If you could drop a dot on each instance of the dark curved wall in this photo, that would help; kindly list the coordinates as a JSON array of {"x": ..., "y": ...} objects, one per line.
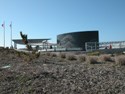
[{"x": 77, "y": 39}]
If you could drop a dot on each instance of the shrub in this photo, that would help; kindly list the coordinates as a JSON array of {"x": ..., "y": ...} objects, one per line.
[
  {"x": 71, "y": 57},
  {"x": 93, "y": 53},
  {"x": 62, "y": 55},
  {"x": 33, "y": 52},
  {"x": 38, "y": 55},
  {"x": 82, "y": 58},
  {"x": 7, "y": 48},
  {"x": 28, "y": 58},
  {"x": 53, "y": 55},
  {"x": 120, "y": 60},
  {"x": 92, "y": 59},
  {"x": 105, "y": 58},
  {"x": 48, "y": 54},
  {"x": 18, "y": 54}
]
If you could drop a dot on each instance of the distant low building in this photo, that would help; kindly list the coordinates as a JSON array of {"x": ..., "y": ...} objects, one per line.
[{"x": 33, "y": 42}]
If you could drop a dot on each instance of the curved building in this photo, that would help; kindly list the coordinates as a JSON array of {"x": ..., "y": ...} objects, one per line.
[{"x": 77, "y": 39}]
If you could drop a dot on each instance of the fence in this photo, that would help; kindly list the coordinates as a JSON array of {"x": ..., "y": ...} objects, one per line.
[{"x": 90, "y": 46}]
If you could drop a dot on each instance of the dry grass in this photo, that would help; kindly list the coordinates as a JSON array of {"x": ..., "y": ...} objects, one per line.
[
  {"x": 62, "y": 55},
  {"x": 47, "y": 75},
  {"x": 82, "y": 58},
  {"x": 120, "y": 60},
  {"x": 105, "y": 58},
  {"x": 48, "y": 54},
  {"x": 18, "y": 54},
  {"x": 92, "y": 59},
  {"x": 71, "y": 57},
  {"x": 37, "y": 55},
  {"x": 53, "y": 54},
  {"x": 27, "y": 57}
]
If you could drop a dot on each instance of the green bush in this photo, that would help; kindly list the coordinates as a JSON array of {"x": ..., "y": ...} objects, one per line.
[{"x": 94, "y": 53}]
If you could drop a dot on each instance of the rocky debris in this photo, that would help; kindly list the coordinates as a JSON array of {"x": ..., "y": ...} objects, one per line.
[{"x": 49, "y": 76}]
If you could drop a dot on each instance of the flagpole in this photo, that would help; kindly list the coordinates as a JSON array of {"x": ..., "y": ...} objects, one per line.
[
  {"x": 11, "y": 33},
  {"x": 4, "y": 33}
]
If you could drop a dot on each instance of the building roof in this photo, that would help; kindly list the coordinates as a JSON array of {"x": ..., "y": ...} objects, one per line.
[
  {"x": 30, "y": 41},
  {"x": 76, "y": 32}
]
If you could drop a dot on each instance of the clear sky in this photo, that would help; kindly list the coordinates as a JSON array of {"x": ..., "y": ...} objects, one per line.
[{"x": 48, "y": 18}]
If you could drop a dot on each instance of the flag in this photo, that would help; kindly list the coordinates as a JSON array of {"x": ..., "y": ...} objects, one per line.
[
  {"x": 11, "y": 25},
  {"x": 2, "y": 25}
]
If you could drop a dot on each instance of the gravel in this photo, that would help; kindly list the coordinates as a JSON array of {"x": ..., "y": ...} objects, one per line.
[{"x": 49, "y": 75}]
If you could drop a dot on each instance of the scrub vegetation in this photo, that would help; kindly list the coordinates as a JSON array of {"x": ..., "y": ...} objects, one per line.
[{"x": 61, "y": 73}]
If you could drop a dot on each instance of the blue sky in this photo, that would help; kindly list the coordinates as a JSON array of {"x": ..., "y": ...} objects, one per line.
[{"x": 48, "y": 18}]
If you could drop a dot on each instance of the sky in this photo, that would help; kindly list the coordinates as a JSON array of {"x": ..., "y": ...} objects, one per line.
[{"x": 49, "y": 18}]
